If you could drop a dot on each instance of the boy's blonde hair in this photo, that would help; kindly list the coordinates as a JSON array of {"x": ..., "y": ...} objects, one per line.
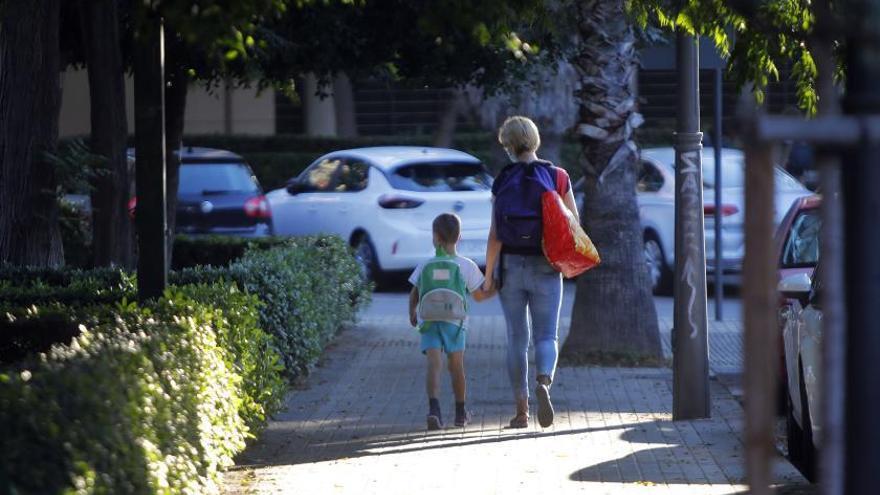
[
  {"x": 447, "y": 228},
  {"x": 519, "y": 135}
]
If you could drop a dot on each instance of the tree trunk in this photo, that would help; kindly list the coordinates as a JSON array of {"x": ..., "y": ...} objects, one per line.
[
  {"x": 177, "y": 83},
  {"x": 343, "y": 93},
  {"x": 30, "y": 101},
  {"x": 111, "y": 227},
  {"x": 551, "y": 148},
  {"x": 614, "y": 315},
  {"x": 445, "y": 133}
]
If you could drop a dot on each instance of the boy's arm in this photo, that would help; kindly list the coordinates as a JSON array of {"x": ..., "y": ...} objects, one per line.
[{"x": 413, "y": 303}]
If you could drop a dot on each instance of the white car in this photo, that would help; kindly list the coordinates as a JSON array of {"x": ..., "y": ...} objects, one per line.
[
  {"x": 383, "y": 200},
  {"x": 655, "y": 190},
  {"x": 802, "y": 338}
]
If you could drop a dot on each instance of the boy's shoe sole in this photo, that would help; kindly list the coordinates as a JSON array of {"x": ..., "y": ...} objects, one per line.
[
  {"x": 434, "y": 423},
  {"x": 545, "y": 407},
  {"x": 463, "y": 421}
]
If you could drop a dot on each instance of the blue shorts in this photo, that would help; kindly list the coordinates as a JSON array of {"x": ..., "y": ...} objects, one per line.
[{"x": 446, "y": 336}]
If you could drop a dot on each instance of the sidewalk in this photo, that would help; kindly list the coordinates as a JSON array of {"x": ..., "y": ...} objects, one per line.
[{"x": 359, "y": 428}]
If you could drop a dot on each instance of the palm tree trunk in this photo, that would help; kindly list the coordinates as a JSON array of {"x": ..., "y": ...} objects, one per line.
[
  {"x": 614, "y": 315},
  {"x": 30, "y": 101}
]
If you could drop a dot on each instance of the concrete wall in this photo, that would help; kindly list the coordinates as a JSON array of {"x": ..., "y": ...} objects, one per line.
[{"x": 206, "y": 113}]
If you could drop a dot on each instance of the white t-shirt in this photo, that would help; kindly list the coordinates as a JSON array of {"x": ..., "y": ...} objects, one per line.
[{"x": 473, "y": 277}]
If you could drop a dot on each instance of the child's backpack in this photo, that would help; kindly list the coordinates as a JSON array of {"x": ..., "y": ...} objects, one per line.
[
  {"x": 518, "y": 203},
  {"x": 442, "y": 290}
]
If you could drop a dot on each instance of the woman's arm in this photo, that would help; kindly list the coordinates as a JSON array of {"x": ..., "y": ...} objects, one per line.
[
  {"x": 571, "y": 204},
  {"x": 493, "y": 250}
]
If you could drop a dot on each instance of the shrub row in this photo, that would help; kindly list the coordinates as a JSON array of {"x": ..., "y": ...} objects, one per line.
[
  {"x": 310, "y": 287},
  {"x": 155, "y": 399},
  {"x": 158, "y": 398}
]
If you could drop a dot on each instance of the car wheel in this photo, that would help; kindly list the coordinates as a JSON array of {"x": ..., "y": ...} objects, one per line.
[
  {"x": 659, "y": 273},
  {"x": 809, "y": 448},
  {"x": 365, "y": 255}
]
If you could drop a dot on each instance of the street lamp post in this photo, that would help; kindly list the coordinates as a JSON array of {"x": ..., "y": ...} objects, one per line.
[{"x": 690, "y": 396}]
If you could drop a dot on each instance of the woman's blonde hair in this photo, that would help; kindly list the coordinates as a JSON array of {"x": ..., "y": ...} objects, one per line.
[{"x": 519, "y": 135}]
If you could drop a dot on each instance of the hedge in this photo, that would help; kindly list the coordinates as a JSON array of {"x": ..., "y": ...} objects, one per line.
[
  {"x": 156, "y": 400},
  {"x": 310, "y": 287},
  {"x": 217, "y": 250}
]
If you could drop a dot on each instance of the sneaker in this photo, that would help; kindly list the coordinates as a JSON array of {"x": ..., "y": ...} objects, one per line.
[
  {"x": 545, "y": 407},
  {"x": 434, "y": 423},
  {"x": 463, "y": 419}
]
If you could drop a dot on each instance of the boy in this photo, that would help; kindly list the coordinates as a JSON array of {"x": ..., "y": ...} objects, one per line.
[{"x": 446, "y": 335}]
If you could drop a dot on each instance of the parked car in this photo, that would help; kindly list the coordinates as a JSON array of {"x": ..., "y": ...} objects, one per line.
[
  {"x": 655, "y": 189},
  {"x": 218, "y": 194},
  {"x": 802, "y": 337},
  {"x": 383, "y": 200},
  {"x": 797, "y": 253}
]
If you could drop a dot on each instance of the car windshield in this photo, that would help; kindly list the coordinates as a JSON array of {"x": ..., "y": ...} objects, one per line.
[
  {"x": 802, "y": 246},
  {"x": 216, "y": 178},
  {"x": 733, "y": 174},
  {"x": 441, "y": 177}
]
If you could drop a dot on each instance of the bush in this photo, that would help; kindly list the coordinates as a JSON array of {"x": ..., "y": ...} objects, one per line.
[
  {"x": 144, "y": 404},
  {"x": 309, "y": 288},
  {"x": 25, "y": 286},
  {"x": 217, "y": 250}
]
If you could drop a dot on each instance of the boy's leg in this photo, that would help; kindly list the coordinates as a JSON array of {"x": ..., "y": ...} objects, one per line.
[
  {"x": 432, "y": 387},
  {"x": 435, "y": 364},
  {"x": 456, "y": 371},
  {"x": 459, "y": 387}
]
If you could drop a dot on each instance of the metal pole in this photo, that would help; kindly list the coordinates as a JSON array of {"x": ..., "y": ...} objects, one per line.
[
  {"x": 719, "y": 257},
  {"x": 760, "y": 307},
  {"x": 860, "y": 175},
  {"x": 690, "y": 398},
  {"x": 833, "y": 380},
  {"x": 149, "y": 112}
]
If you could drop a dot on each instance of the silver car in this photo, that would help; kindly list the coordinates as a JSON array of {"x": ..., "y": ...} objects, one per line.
[{"x": 655, "y": 190}]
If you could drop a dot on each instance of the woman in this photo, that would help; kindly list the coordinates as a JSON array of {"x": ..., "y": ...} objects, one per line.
[{"x": 530, "y": 288}]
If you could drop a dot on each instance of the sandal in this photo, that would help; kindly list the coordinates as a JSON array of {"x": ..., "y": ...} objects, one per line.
[{"x": 520, "y": 421}]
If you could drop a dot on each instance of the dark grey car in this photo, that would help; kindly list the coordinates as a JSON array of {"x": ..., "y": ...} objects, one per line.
[{"x": 219, "y": 194}]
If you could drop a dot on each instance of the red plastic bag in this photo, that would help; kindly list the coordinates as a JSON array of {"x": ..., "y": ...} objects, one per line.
[{"x": 566, "y": 245}]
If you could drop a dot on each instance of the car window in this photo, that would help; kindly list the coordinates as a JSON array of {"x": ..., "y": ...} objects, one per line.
[
  {"x": 216, "y": 178},
  {"x": 650, "y": 179},
  {"x": 322, "y": 176},
  {"x": 440, "y": 177},
  {"x": 802, "y": 246},
  {"x": 352, "y": 177}
]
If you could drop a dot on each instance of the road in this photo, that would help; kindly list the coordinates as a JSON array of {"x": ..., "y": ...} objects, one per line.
[{"x": 394, "y": 302}]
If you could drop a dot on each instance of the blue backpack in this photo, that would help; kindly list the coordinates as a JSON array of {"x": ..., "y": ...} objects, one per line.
[{"x": 518, "y": 212}]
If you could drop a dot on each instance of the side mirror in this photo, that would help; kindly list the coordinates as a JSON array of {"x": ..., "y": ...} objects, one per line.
[
  {"x": 796, "y": 287},
  {"x": 295, "y": 187}
]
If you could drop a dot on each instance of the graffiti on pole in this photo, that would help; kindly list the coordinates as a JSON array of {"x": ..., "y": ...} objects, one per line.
[{"x": 690, "y": 196}]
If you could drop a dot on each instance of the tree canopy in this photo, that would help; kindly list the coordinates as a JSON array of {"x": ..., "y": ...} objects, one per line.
[{"x": 758, "y": 38}]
